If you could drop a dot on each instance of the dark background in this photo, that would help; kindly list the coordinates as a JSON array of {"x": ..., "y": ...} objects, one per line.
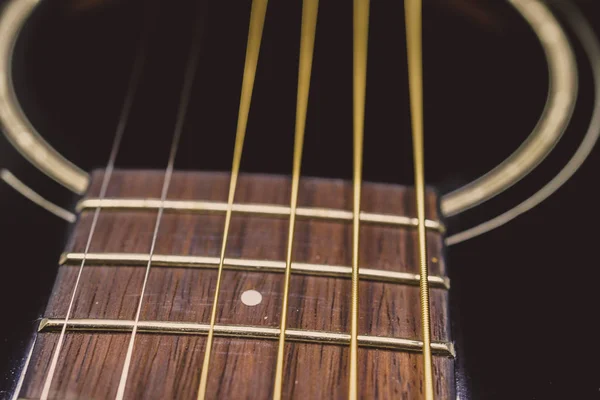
[{"x": 524, "y": 296}]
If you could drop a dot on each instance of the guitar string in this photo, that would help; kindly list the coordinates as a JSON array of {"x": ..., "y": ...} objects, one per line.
[
  {"x": 133, "y": 84},
  {"x": 184, "y": 100},
  {"x": 592, "y": 47},
  {"x": 310, "y": 10},
  {"x": 414, "y": 48},
  {"x": 360, "y": 42},
  {"x": 255, "y": 30},
  {"x": 25, "y": 367}
]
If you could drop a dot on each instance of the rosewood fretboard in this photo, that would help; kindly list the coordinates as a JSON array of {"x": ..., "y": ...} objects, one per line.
[{"x": 167, "y": 357}]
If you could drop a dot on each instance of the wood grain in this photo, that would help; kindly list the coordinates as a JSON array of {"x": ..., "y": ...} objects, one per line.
[{"x": 168, "y": 366}]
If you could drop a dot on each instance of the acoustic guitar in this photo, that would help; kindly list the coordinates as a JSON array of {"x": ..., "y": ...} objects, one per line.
[{"x": 299, "y": 199}]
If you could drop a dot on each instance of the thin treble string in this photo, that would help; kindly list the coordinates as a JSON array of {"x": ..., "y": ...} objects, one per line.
[
  {"x": 310, "y": 9},
  {"x": 257, "y": 21},
  {"x": 413, "y": 16},
  {"x": 361, "y": 35},
  {"x": 134, "y": 80},
  {"x": 184, "y": 100}
]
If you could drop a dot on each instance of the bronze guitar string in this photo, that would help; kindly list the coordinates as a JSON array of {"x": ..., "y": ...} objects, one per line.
[
  {"x": 255, "y": 30},
  {"x": 359, "y": 61},
  {"x": 414, "y": 47},
  {"x": 310, "y": 10}
]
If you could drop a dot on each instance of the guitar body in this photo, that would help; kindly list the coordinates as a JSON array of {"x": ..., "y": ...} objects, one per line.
[{"x": 515, "y": 321}]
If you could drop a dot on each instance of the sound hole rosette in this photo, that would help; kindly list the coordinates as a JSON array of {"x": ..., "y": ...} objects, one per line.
[
  {"x": 588, "y": 39},
  {"x": 13, "y": 121},
  {"x": 549, "y": 129}
]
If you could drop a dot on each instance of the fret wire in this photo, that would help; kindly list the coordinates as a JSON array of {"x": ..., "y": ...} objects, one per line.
[
  {"x": 442, "y": 349},
  {"x": 308, "y": 30},
  {"x": 255, "y": 30},
  {"x": 256, "y": 209},
  {"x": 184, "y": 100},
  {"x": 413, "y": 17},
  {"x": 133, "y": 83},
  {"x": 319, "y": 270},
  {"x": 360, "y": 42}
]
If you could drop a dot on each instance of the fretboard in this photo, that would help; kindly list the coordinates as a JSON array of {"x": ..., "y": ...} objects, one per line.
[{"x": 171, "y": 332}]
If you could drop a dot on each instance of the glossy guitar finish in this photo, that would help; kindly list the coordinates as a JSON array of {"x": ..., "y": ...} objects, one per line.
[{"x": 523, "y": 296}]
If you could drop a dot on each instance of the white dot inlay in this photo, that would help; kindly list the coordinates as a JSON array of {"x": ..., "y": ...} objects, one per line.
[{"x": 251, "y": 298}]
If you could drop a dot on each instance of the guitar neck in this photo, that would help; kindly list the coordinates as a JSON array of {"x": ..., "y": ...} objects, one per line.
[{"x": 173, "y": 289}]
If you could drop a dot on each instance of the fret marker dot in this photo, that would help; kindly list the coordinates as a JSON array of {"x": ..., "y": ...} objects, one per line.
[{"x": 251, "y": 298}]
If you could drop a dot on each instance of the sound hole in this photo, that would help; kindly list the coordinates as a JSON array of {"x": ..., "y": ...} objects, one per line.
[{"x": 485, "y": 86}]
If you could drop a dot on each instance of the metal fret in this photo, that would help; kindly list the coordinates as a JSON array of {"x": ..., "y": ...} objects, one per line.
[
  {"x": 324, "y": 270},
  {"x": 444, "y": 349},
  {"x": 258, "y": 209}
]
